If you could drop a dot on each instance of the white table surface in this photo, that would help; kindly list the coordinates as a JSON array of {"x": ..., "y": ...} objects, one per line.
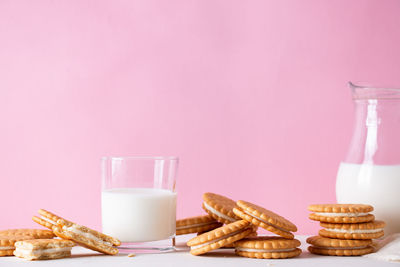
[{"x": 222, "y": 257}]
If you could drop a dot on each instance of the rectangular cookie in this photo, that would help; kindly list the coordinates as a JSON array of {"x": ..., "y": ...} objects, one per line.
[{"x": 43, "y": 249}]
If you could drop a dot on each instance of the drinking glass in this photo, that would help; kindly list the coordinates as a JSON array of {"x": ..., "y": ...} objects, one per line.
[{"x": 138, "y": 202}]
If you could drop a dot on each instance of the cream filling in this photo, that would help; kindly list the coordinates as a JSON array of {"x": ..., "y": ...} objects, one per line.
[
  {"x": 218, "y": 213},
  {"x": 48, "y": 220},
  {"x": 193, "y": 225},
  {"x": 37, "y": 252},
  {"x": 90, "y": 236},
  {"x": 6, "y": 248},
  {"x": 354, "y": 231},
  {"x": 341, "y": 214},
  {"x": 218, "y": 239},
  {"x": 265, "y": 250},
  {"x": 260, "y": 219},
  {"x": 341, "y": 248}
]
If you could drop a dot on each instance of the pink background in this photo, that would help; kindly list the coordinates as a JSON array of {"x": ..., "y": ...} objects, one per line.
[{"x": 251, "y": 95}]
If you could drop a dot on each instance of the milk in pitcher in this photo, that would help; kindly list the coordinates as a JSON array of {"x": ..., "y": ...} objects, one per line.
[{"x": 376, "y": 185}]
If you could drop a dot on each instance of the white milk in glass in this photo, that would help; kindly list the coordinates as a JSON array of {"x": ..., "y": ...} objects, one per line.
[
  {"x": 377, "y": 185},
  {"x": 138, "y": 214}
]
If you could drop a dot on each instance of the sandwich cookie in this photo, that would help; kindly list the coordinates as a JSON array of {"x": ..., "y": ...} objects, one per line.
[
  {"x": 219, "y": 237},
  {"x": 80, "y": 234},
  {"x": 32, "y": 233},
  {"x": 7, "y": 244},
  {"x": 219, "y": 207},
  {"x": 43, "y": 249},
  {"x": 196, "y": 224},
  {"x": 341, "y": 213},
  {"x": 336, "y": 247},
  {"x": 369, "y": 230},
  {"x": 267, "y": 247},
  {"x": 264, "y": 218},
  {"x": 46, "y": 219},
  {"x": 252, "y": 234},
  {"x": 232, "y": 245}
]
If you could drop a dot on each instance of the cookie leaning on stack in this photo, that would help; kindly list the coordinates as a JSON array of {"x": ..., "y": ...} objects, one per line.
[
  {"x": 220, "y": 211},
  {"x": 264, "y": 218},
  {"x": 219, "y": 237},
  {"x": 219, "y": 207},
  {"x": 80, "y": 234},
  {"x": 197, "y": 224}
]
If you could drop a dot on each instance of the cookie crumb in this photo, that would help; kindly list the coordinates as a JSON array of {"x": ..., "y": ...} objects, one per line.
[{"x": 131, "y": 255}]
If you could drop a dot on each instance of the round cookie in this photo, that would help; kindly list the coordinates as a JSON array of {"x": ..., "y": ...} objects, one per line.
[
  {"x": 267, "y": 247},
  {"x": 369, "y": 230},
  {"x": 232, "y": 245},
  {"x": 265, "y": 218},
  {"x": 341, "y": 213},
  {"x": 219, "y": 207},
  {"x": 219, "y": 237},
  {"x": 33, "y": 233},
  {"x": 251, "y": 235},
  {"x": 196, "y": 224},
  {"x": 337, "y": 247},
  {"x": 7, "y": 244}
]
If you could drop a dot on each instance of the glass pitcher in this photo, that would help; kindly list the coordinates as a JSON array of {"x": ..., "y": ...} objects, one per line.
[{"x": 370, "y": 173}]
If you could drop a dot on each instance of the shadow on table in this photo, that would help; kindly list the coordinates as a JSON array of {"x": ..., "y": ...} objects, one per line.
[
  {"x": 224, "y": 252},
  {"x": 230, "y": 253},
  {"x": 180, "y": 246},
  {"x": 85, "y": 255},
  {"x": 307, "y": 255}
]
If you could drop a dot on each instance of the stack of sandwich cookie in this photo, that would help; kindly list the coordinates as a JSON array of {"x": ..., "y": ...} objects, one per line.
[
  {"x": 267, "y": 247},
  {"x": 43, "y": 249},
  {"x": 220, "y": 208},
  {"x": 10, "y": 236},
  {"x": 337, "y": 247},
  {"x": 264, "y": 218},
  {"x": 80, "y": 234},
  {"x": 198, "y": 224},
  {"x": 219, "y": 237},
  {"x": 348, "y": 229}
]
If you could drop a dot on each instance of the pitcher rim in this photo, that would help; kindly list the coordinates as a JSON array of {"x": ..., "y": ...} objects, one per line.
[{"x": 361, "y": 90}]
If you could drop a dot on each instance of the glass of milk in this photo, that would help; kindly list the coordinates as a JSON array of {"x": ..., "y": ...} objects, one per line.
[
  {"x": 370, "y": 173},
  {"x": 138, "y": 202}
]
